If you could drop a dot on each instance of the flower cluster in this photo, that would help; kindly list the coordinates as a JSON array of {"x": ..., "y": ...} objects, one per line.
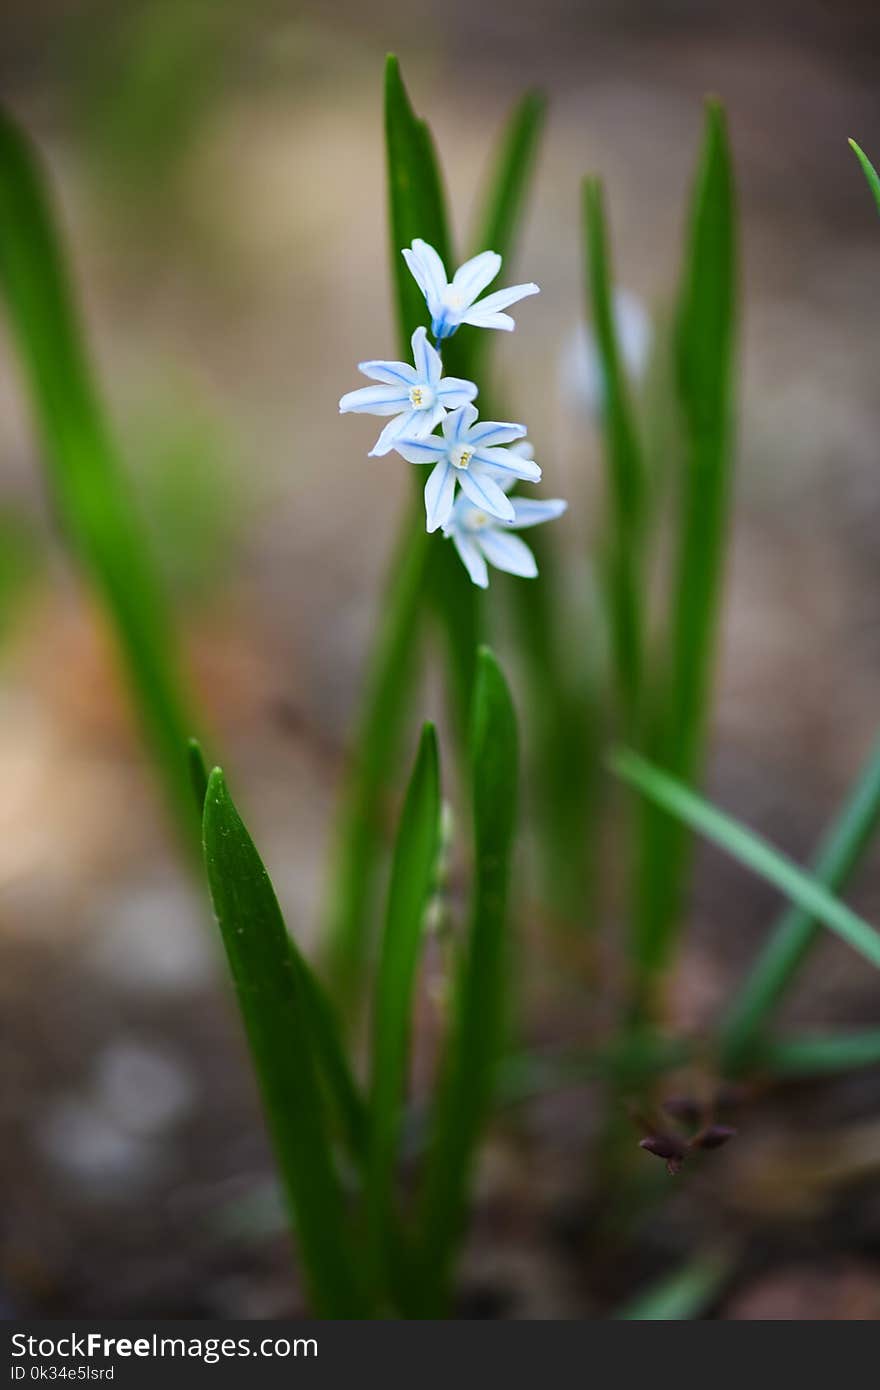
[{"x": 475, "y": 463}]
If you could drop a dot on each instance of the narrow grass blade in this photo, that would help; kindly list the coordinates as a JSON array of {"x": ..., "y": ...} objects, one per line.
[
  {"x": 869, "y": 171},
  {"x": 416, "y": 203},
  {"x": 412, "y": 881},
  {"x": 705, "y": 367},
  {"x": 794, "y": 935},
  {"x": 756, "y": 854},
  {"x": 361, "y": 830},
  {"x": 683, "y": 1295},
  {"x": 274, "y": 1001},
  {"x": 819, "y": 1054},
  {"x": 198, "y": 773},
  {"x": 467, "y": 1082},
  {"x": 84, "y": 469},
  {"x": 503, "y": 204},
  {"x": 623, "y": 563}
]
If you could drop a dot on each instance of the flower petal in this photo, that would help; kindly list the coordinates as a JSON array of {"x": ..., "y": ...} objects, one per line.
[
  {"x": 480, "y": 320},
  {"x": 507, "y": 552},
  {"x": 472, "y": 278},
  {"x": 502, "y": 299},
  {"x": 531, "y": 511},
  {"x": 439, "y": 495},
  {"x": 428, "y": 271},
  {"x": 484, "y": 492},
  {"x": 400, "y": 427},
  {"x": 428, "y": 450},
  {"x": 458, "y": 421},
  {"x": 375, "y": 400},
  {"x": 489, "y": 432},
  {"x": 392, "y": 373},
  {"x": 512, "y": 462},
  {"x": 471, "y": 558},
  {"x": 426, "y": 357},
  {"x": 454, "y": 391}
]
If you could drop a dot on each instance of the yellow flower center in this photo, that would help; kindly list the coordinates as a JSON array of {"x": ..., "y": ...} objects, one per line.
[{"x": 461, "y": 457}]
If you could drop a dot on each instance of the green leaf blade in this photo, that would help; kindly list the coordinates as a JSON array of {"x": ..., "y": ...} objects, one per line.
[
  {"x": 794, "y": 935},
  {"x": 752, "y": 851},
  {"x": 84, "y": 469},
  {"x": 412, "y": 882},
  {"x": 705, "y": 347},
  {"x": 273, "y": 998},
  {"x": 624, "y": 465},
  {"x": 869, "y": 171},
  {"x": 466, "y": 1086}
]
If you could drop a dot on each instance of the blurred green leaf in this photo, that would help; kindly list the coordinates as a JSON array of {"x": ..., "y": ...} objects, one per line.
[
  {"x": 763, "y": 859},
  {"x": 412, "y": 880},
  {"x": 682, "y": 1295},
  {"x": 273, "y": 996},
  {"x": 869, "y": 171},
  {"x": 84, "y": 469},
  {"x": 499, "y": 223},
  {"x": 819, "y": 1054},
  {"x": 792, "y": 938},
  {"x": 466, "y": 1084},
  {"x": 623, "y": 562},
  {"x": 198, "y": 773},
  {"x": 705, "y": 352}
]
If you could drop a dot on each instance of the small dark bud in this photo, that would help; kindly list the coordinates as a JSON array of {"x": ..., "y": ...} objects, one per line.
[
  {"x": 664, "y": 1146},
  {"x": 714, "y": 1137}
]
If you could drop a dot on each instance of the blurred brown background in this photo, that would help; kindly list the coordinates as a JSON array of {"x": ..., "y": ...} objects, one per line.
[{"x": 220, "y": 169}]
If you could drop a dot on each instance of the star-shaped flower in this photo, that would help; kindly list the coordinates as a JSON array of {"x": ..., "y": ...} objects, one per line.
[
  {"x": 479, "y": 537},
  {"x": 418, "y": 397},
  {"x": 453, "y": 302},
  {"x": 468, "y": 453}
]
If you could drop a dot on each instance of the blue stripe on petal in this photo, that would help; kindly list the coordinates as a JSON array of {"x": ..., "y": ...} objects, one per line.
[
  {"x": 393, "y": 373},
  {"x": 512, "y": 462},
  {"x": 484, "y": 492},
  {"x": 439, "y": 495},
  {"x": 532, "y": 511},
  {"x": 490, "y": 432},
  {"x": 375, "y": 400},
  {"x": 421, "y": 450}
]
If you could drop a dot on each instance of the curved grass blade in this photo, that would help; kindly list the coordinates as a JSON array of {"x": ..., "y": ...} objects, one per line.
[
  {"x": 794, "y": 935},
  {"x": 412, "y": 881},
  {"x": 752, "y": 851},
  {"x": 273, "y": 996},
  {"x": 466, "y": 1085},
  {"x": 683, "y": 1295},
  {"x": 625, "y": 470},
  {"x": 869, "y": 171},
  {"x": 84, "y": 470},
  {"x": 820, "y": 1054},
  {"x": 705, "y": 342}
]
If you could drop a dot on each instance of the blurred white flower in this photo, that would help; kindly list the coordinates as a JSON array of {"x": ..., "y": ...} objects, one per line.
[
  {"x": 468, "y": 453},
  {"x": 452, "y": 303},
  {"x": 418, "y": 397},
  {"x": 580, "y": 364}
]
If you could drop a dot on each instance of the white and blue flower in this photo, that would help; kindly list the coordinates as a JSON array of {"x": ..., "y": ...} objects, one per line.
[
  {"x": 418, "y": 397},
  {"x": 479, "y": 537},
  {"x": 454, "y": 302},
  {"x": 471, "y": 454}
]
